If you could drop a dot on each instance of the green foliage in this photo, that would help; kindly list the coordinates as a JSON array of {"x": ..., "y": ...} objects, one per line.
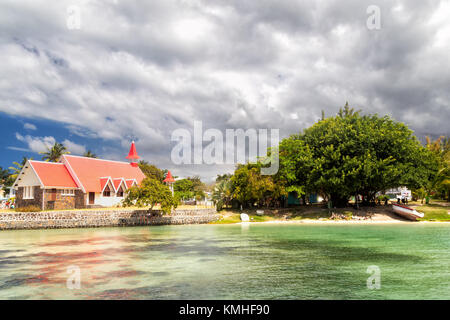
[
  {"x": 383, "y": 197},
  {"x": 226, "y": 177},
  {"x": 223, "y": 192},
  {"x": 54, "y": 153},
  {"x": 250, "y": 187},
  {"x": 18, "y": 167},
  {"x": 89, "y": 154},
  {"x": 191, "y": 187},
  {"x": 419, "y": 194},
  {"x": 151, "y": 171},
  {"x": 296, "y": 162},
  {"x": 198, "y": 187},
  {"x": 184, "y": 189},
  {"x": 150, "y": 193},
  {"x": 353, "y": 154},
  {"x": 28, "y": 209},
  {"x": 440, "y": 183},
  {"x": 5, "y": 177}
]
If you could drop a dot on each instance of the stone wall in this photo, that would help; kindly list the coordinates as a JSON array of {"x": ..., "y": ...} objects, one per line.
[
  {"x": 80, "y": 199},
  {"x": 36, "y": 201},
  {"x": 55, "y": 200},
  {"x": 102, "y": 218}
]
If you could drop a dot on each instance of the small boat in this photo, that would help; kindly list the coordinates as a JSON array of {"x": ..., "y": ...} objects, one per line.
[
  {"x": 406, "y": 212},
  {"x": 244, "y": 217}
]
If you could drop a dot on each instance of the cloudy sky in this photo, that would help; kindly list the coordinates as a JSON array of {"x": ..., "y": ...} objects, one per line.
[{"x": 141, "y": 69}]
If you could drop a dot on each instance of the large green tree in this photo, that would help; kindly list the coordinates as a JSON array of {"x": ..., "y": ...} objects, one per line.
[
  {"x": 355, "y": 154},
  {"x": 150, "y": 193},
  {"x": 152, "y": 171},
  {"x": 191, "y": 187},
  {"x": 251, "y": 188},
  {"x": 184, "y": 189}
]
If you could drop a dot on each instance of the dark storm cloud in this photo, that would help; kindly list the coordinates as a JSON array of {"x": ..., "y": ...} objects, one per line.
[{"x": 140, "y": 69}]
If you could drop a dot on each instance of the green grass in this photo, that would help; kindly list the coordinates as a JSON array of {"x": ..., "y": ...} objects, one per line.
[
  {"x": 434, "y": 212},
  {"x": 235, "y": 218}
]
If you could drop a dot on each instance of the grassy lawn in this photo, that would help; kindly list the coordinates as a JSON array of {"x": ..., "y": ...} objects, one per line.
[
  {"x": 230, "y": 217},
  {"x": 436, "y": 210}
]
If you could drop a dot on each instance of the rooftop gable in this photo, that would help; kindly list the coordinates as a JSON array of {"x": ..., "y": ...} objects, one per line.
[{"x": 53, "y": 174}]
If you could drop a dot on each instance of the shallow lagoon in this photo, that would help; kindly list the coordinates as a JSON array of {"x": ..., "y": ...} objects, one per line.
[{"x": 257, "y": 261}]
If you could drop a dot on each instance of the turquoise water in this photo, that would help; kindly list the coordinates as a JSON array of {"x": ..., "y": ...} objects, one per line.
[{"x": 259, "y": 261}]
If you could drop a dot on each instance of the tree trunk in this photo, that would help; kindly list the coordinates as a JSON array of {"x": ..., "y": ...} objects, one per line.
[{"x": 338, "y": 201}]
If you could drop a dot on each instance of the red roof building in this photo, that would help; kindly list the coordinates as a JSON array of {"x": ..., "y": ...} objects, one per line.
[{"x": 76, "y": 182}]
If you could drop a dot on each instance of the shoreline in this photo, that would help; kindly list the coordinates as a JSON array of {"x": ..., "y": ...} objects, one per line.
[{"x": 312, "y": 221}]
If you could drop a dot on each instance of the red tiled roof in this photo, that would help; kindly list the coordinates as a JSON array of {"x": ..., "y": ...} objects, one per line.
[
  {"x": 53, "y": 174},
  {"x": 129, "y": 183},
  {"x": 117, "y": 183},
  {"x": 103, "y": 183},
  {"x": 89, "y": 171}
]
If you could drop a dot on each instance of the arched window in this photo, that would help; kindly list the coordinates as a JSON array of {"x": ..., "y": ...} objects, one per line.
[
  {"x": 107, "y": 191},
  {"x": 120, "y": 192}
]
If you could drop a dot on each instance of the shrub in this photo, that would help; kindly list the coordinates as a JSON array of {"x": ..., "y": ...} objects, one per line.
[{"x": 28, "y": 209}]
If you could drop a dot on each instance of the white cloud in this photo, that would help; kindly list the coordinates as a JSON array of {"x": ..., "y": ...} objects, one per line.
[
  {"x": 141, "y": 70},
  {"x": 29, "y": 126},
  {"x": 36, "y": 144},
  {"x": 42, "y": 144},
  {"x": 74, "y": 148}
]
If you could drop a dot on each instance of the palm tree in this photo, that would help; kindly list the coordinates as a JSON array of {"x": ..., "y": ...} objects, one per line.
[
  {"x": 4, "y": 176},
  {"x": 54, "y": 153},
  {"x": 89, "y": 154},
  {"x": 222, "y": 193},
  {"x": 441, "y": 148},
  {"x": 18, "y": 167}
]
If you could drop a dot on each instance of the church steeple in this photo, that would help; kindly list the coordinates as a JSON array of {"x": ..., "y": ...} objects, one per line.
[{"x": 132, "y": 155}]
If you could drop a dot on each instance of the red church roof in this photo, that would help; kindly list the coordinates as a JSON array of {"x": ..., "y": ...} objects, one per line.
[
  {"x": 87, "y": 174},
  {"x": 169, "y": 178},
  {"x": 89, "y": 171},
  {"x": 53, "y": 174},
  {"x": 130, "y": 183},
  {"x": 118, "y": 182}
]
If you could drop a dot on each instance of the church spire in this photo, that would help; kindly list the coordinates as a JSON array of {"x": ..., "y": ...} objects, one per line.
[{"x": 132, "y": 155}]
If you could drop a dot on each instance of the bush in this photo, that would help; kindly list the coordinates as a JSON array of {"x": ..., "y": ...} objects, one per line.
[
  {"x": 28, "y": 209},
  {"x": 348, "y": 215}
]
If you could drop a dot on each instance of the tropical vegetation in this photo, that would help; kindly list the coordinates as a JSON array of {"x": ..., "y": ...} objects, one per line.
[
  {"x": 338, "y": 158},
  {"x": 150, "y": 193},
  {"x": 54, "y": 153}
]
